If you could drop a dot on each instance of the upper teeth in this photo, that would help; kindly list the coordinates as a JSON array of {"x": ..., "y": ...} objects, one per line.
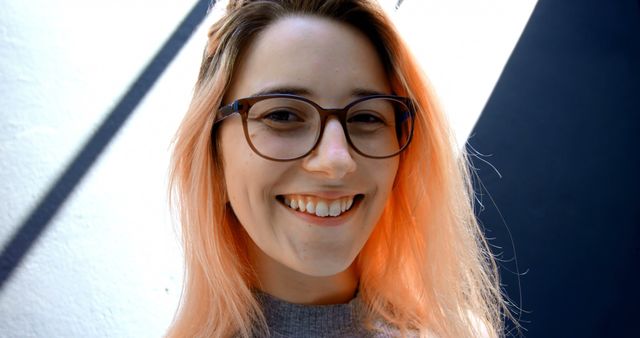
[{"x": 318, "y": 206}]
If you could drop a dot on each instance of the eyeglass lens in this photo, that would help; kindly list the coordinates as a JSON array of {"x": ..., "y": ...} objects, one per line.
[{"x": 285, "y": 128}]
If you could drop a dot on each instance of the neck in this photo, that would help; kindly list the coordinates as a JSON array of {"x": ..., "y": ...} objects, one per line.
[{"x": 292, "y": 286}]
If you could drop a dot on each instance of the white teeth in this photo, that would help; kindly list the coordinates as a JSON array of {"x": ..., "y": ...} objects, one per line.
[
  {"x": 311, "y": 208},
  {"x": 334, "y": 209},
  {"x": 322, "y": 209},
  {"x": 319, "y": 207}
]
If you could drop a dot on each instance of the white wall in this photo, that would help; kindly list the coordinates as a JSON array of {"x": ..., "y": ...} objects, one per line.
[{"x": 109, "y": 265}]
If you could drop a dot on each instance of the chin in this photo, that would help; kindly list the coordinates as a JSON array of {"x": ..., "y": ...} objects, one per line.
[{"x": 323, "y": 266}]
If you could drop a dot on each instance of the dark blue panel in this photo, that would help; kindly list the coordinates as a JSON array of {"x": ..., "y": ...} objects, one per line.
[{"x": 563, "y": 129}]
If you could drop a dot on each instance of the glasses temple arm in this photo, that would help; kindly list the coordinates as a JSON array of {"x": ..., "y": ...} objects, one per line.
[{"x": 228, "y": 110}]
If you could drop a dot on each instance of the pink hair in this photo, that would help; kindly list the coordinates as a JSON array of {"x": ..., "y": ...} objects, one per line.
[{"x": 426, "y": 267}]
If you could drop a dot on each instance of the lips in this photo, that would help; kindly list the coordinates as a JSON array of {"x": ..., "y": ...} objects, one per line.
[{"x": 320, "y": 207}]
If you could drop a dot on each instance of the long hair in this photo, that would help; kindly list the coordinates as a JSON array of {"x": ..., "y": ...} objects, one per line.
[{"x": 426, "y": 267}]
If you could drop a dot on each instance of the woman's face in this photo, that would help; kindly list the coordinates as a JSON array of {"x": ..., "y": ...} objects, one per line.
[{"x": 331, "y": 64}]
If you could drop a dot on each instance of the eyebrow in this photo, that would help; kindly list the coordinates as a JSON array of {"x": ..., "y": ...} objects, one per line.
[
  {"x": 283, "y": 90},
  {"x": 301, "y": 91},
  {"x": 360, "y": 92}
]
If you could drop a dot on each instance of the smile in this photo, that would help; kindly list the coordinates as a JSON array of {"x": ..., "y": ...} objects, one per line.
[{"x": 318, "y": 206}]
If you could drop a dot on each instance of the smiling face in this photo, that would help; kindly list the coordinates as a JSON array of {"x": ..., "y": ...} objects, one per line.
[{"x": 293, "y": 211}]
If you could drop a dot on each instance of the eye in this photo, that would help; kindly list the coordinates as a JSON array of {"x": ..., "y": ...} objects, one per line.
[
  {"x": 282, "y": 115},
  {"x": 365, "y": 117}
]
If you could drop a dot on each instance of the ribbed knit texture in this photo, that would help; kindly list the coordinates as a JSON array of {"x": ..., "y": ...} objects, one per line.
[{"x": 288, "y": 320}]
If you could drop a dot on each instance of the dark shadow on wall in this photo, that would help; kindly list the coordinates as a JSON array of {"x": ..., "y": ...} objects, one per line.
[
  {"x": 562, "y": 127},
  {"x": 36, "y": 223}
]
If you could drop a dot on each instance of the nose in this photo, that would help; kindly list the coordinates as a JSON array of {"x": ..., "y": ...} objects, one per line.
[{"x": 332, "y": 157}]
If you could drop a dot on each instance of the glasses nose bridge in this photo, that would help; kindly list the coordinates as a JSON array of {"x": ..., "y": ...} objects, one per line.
[{"x": 324, "y": 113}]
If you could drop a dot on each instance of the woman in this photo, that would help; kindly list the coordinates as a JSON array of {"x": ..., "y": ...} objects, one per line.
[{"x": 305, "y": 210}]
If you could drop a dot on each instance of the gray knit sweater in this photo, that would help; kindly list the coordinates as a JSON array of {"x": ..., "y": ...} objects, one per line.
[{"x": 288, "y": 320}]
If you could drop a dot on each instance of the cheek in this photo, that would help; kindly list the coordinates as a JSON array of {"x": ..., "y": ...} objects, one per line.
[
  {"x": 243, "y": 194},
  {"x": 235, "y": 166},
  {"x": 385, "y": 176},
  {"x": 249, "y": 180}
]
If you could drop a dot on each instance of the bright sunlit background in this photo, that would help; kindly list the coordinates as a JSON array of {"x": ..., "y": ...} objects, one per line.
[{"x": 109, "y": 264}]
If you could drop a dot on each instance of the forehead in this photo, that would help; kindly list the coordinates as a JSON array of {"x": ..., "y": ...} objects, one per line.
[{"x": 328, "y": 58}]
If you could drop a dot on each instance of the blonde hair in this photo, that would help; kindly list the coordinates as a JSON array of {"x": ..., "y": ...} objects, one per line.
[{"x": 426, "y": 267}]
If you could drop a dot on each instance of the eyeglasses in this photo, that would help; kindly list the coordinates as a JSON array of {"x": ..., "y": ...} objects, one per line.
[{"x": 284, "y": 127}]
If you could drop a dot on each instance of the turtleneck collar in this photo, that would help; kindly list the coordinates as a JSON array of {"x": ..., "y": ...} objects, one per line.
[{"x": 296, "y": 320}]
